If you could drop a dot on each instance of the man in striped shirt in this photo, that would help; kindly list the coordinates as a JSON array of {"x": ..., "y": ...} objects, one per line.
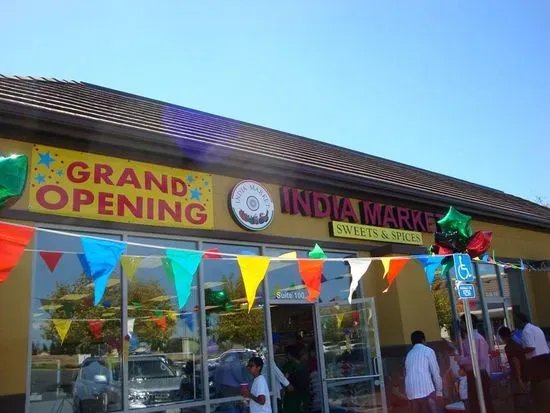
[{"x": 423, "y": 384}]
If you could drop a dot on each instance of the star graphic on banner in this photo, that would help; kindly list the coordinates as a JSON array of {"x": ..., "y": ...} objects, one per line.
[
  {"x": 40, "y": 179},
  {"x": 190, "y": 179},
  {"x": 195, "y": 194},
  {"x": 45, "y": 159},
  {"x": 60, "y": 172}
]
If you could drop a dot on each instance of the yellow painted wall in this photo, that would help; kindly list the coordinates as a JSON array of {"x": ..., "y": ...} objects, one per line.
[
  {"x": 407, "y": 306},
  {"x": 15, "y": 304}
]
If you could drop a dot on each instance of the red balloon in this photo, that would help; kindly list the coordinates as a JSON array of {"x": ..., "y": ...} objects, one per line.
[{"x": 479, "y": 243}]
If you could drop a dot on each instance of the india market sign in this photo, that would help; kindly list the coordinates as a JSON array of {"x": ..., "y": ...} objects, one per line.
[
  {"x": 85, "y": 185},
  {"x": 360, "y": 219}
]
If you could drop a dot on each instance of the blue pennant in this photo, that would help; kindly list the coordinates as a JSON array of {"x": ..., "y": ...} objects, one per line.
[
  {"x": 101, "y": 257},
  {"x": 431, "y": 264},
  {"x": 85, "y": 266},
  {"x": 188, "y": 318},
  {"x": 184, "y": 264}
]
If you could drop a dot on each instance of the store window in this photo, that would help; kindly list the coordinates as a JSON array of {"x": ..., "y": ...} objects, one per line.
[
  {"x": 286, "y": 284},
  {"x": 234, "y": 334},
  {"x": 164, "y": 364},
  {"x": 76, "y": 346}
]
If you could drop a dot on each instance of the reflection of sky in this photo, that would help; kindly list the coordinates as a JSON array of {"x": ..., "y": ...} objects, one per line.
[
  {"x": 68, "y": 270},
  {"x": 159, "y": 275}
]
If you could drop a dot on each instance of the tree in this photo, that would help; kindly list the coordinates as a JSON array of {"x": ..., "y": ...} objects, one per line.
[
  {"x": 74, "y": 301},
  {"x": 542, "y": 201},
  {"x": 442, "y": 303},
  {"x": 237, "y": 326}
]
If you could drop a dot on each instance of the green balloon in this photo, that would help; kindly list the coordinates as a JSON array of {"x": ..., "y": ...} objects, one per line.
[
  {"x": 13, "y": 177},
  {"x": 456, "y": 221}
]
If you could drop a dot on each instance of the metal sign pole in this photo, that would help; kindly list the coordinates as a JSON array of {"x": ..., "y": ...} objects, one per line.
[
  {"x": 473, "y": 355},
  {"x": 464, "y": 276}
]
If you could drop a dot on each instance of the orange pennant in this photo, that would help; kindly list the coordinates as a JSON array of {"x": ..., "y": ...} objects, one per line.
[
  {"x": 160, "y": 321},
  {"x": 310, "y": 271},
  {"x": 13, "y": 241},
  {"x": 392, "y": 268}
]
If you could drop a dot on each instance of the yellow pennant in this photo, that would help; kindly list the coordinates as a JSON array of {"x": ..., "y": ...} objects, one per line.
[
  {"x": 284, "y": 260},
  {"x": 339, "y": 319},
  {"x": 62, "y": 328},
  {"x": 386, "y": 263},
  {"x": 172, "y": 315},
  {"x": 130, "y": 265},
  {"x": 253, "y": 271}
]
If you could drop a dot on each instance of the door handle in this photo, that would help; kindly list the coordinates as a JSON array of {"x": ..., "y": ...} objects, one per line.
[{"x": 375, "y": 366}]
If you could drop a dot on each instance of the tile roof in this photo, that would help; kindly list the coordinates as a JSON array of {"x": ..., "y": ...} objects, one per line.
[{"x": 108, "y": 106}]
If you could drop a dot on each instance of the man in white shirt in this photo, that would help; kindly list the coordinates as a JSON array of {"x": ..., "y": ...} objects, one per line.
[
  {"x": 259, "y": 393},
  {"x": 537, "y": 353},
  {"x": 423, "y": 384},
  {"x": 280, "y": 382}
]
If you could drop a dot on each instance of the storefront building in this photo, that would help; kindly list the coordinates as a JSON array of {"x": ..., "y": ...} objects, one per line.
[{"x": 121, "y": 167}]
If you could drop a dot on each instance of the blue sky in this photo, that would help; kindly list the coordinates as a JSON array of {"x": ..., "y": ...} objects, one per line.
[{"x": 457, "y": 87}]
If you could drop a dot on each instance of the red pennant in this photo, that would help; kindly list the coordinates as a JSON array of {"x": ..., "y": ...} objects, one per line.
[
  {"x": 96, "y": 327},
  {"x": 13, "y": 241},
  {"x": 51, "y": 259},
  {"x": 396, "y": 265},
  {"x": 160, "y": 321},
  {"x": 310, "y": 271},
  {"x": 212, "y": 254}
]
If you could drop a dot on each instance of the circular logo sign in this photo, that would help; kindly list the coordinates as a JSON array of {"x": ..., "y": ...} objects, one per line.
[{"x": 251, "y": 205}]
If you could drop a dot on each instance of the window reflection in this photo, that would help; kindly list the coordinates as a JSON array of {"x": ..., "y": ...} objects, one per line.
[
  {"x": 63, "y": 306},
  {"x": 234, "y": 334},
  {"x": 285, "y": 282},
  {"x": 164, "y": 364}
]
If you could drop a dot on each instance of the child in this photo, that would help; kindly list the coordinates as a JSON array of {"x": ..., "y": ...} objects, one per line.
[
  {"x": 462, "y": 384},
  {"x": 259, "y": 394}
]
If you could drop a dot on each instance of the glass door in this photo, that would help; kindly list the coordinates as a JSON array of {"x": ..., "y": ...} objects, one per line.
[{"x": 350, "y": 363}]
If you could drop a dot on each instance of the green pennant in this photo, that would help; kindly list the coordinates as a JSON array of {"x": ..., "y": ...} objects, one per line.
[{"x": 317, "y": 253}]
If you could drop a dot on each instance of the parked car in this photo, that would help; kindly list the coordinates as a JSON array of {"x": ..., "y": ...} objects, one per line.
[{"x": 151, "y": 380}]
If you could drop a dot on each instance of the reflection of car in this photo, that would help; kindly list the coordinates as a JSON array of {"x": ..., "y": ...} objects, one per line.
[
  {"x": 230, "y": 372},
  {"x": 151, "y": 380}
]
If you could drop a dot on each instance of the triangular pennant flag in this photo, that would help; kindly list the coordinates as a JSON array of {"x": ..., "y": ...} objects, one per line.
[
  {"x": 253, "y": 269},
  {"x": 521, "y": 265},
  {"x": 131, "y": 323},
  {"x": 212, "y": 254},
  {"x": 85, "y": 266},
  {"x": 167, "y": 265},
  {"x": 102, "y": 256},
  {"x": 158, "y": 313},
  {"x": 13, "y": 241},
  {"x": 51, "y": 259},
  {"x": 184, "y": 265},
  {"x": 431, "y": 264},
  {"x": 150, "y": 262},
  {"x": 284, "y": 260},
  {"x": 358, "y": 268},
  {"x": 317, "y": 253},
  {"x": 130, "y": 265},
  {"x": 339, "y": 319},
  {"x": 172, "y": 315},
  {"x": 392, "y": 267},
  {"x": 62, "y": 328},
  {"x": 310, "y": 271},
  {"x": 160, "y": 321},
  {"x": 95, "y": 328},
  {"x": 188, "y": 318},
  {"x": 107, "y": 304}
]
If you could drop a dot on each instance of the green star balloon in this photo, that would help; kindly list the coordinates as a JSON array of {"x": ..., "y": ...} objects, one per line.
[
  {"x": 13, "y": 177},
  {"x": 456, "y": 221}
]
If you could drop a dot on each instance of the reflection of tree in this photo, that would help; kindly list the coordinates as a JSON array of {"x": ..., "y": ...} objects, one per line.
[
  {"x": 236, "y": 326},
  {"x": 80, "y": 339},
  {"x": 442, "y": 303}
]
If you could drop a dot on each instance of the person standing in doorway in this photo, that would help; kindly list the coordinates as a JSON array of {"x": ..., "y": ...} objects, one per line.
[
  {"x": 535, "y": 348},
  {"x": 259, "y": 393},
  {"x": 465, "y": 361},
  {"x": 518, "y": 369},
  {"x": 423, "y": 384},
  {"x": 280, "y": 382},
  {"x": 297, "y": 375}
]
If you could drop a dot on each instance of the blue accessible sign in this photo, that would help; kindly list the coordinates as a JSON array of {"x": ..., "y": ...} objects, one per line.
[
  {"x": 466, "y": 291},
  {"x": 463, "y": 268}
]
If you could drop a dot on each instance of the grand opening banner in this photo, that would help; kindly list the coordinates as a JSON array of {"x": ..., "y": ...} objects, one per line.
[{"x": 84, "y": 185}]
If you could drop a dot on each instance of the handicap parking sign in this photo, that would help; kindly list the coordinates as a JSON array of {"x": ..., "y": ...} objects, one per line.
[
  {"x": 463, "y": 268},
  {"x": 466, "y": 291}
]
